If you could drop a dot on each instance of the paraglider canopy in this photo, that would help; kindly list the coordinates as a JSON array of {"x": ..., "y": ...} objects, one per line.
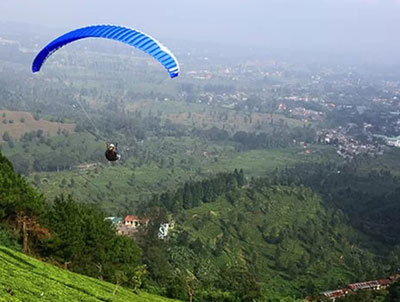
[{"x": 125, "y": 35}]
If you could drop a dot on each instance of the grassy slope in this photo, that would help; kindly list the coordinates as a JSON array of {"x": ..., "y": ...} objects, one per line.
[{"x": 26, "y": 279}]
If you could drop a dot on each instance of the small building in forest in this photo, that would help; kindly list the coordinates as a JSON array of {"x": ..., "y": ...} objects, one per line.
[
  {"x": 132, "y": 221},
  {"x": 335, "y": 294},
  {"x": 364, "y": 285},
  {"x": 130, "y": 224},
  {"x": 115, "y": 220},
  {"x": 367, "y": 285}
]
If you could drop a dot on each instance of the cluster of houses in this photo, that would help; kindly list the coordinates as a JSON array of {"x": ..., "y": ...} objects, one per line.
[
  {"x": 371, "y": 285},
  {"x": 130, "y": 224},
  {"x": 346, "y": 146},
  {"x": 306, "y": 114},
  {"x": 393, "y": 141}
]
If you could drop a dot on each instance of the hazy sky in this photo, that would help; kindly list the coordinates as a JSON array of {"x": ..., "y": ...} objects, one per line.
[{"x": 343, "y": 26}]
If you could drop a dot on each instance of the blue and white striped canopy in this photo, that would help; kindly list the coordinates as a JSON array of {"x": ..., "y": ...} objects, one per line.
[{"x": 128, "y": 36}]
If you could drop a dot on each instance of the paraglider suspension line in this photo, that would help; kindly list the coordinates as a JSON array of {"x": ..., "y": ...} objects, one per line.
[{"x": 88, "y": 117}]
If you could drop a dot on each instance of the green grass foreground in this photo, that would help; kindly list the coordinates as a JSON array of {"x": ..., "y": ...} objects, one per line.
[{"x": 23, "y": 278}]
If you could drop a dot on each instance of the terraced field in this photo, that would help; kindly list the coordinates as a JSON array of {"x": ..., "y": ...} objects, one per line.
[{"x": 26, "y": 279}]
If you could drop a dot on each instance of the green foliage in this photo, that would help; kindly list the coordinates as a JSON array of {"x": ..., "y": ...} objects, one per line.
[
  {"x": 194, "y": 193},
  {"x": 177, "y": 288},
  {"x": 16, "y": 195},
  {"x": 242, "y": 282},
  {"x": 6, "y": 136},
  {"x": 263, "y": 241},
  {"x": 53, "y": 161},
  {"x": 84, "y": 240},
  {"x": 138, "y": 277},
  {"x": 159, "y": 269},
  {"x": 394, "y": 292},
  {"x": 186, "y": 154},
  {"x": 278, "y": 137},
  {"x": 27, "y": 279},
  {"x": 8, "y": 240},
  {"x": 368, "y": 197},
  {"x": 21, "y": 164}
]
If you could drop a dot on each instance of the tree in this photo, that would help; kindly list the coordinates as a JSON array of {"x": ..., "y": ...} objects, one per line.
[
  {"x": 154, "y": 249},
  {"x": 82, "y": 237},
  {"x": 6, "y": 136},
  {"x": 21, "y": 164},
  {"x": 177, "y": 288},
  {"x": 16, "y": 194},
  {"x": 241, "y": 281},
  {"x": 394, "y": 292},
  {"x": 29, "y": 226},
  {"x": 119, "y": 279},
  {"x": 138, "y": 277}
]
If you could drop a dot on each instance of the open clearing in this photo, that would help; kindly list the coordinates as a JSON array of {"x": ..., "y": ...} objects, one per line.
[{"x": 16, "y": 123}]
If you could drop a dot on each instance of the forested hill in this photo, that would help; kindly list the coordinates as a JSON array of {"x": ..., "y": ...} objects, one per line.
[
  {"x": 69, "y": 235},
  {"x": 263, "y": 240},
  {"x": 231, "y": 241}
]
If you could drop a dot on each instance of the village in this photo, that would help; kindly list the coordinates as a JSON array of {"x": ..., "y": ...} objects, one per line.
[
  {"x": 381, "y": 284},
  {"x": 347, "y": 146}
]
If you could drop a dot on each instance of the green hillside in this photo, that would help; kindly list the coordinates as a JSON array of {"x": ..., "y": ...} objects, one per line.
[
  {"x": 264, "y": 240},
  {"x": 271, "y": 241},
  {"x": 23, "y": 278}
]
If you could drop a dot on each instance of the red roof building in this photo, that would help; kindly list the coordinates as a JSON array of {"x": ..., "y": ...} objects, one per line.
[
  {"x": 371, "y": 285},
  {"x": 132, "y": 221},
  {"x": 130, "y": 224},
  {"x": 364, "y": 285},
  {"x": 335, "y": 294},
  {"x": 384, "y": 283}
]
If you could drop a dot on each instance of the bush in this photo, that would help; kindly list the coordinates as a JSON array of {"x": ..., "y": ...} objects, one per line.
[
  {"x": 6, "y": 239},
  {"x": 6, "y": 136}
]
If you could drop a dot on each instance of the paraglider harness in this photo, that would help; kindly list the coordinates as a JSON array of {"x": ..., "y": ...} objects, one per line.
[{"x": 112, "y": 153}]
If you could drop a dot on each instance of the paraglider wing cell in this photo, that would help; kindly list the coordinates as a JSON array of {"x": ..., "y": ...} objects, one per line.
[{"x": 125, "y": 35}]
